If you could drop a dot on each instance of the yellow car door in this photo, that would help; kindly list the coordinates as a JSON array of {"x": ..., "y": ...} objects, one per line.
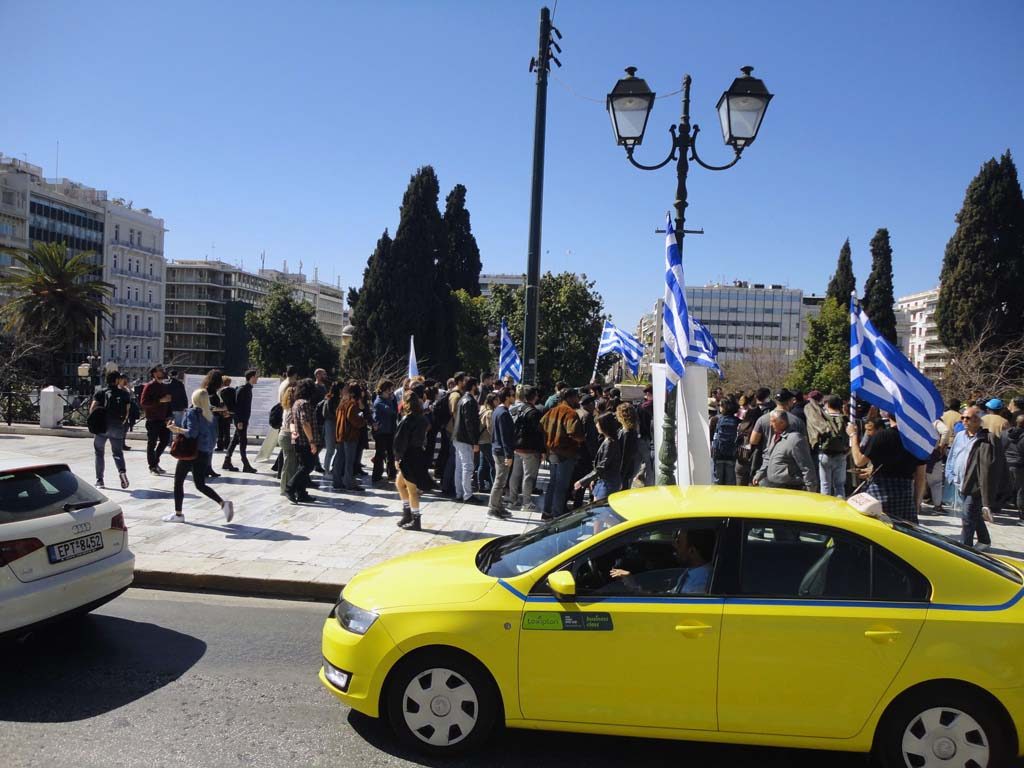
[
  {"x": 628, "y": 651},
  {"x": 821, "y": 624}
]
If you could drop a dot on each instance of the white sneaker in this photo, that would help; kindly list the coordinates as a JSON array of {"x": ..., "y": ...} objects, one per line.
[
  {"x": 981, "y": 546},
  {"x": 228, "y": 508},
  {"x": 177, "y": 517}
]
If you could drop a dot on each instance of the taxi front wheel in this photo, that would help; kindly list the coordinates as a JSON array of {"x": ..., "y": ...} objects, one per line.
[
  {"x": 442, "y": 703},
  {"x": 944, "y": 726}
]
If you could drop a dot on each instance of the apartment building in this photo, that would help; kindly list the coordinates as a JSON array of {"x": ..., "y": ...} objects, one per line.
[
  {"x": 489, "y": 282},
  {"x": 919, "y": 338}
]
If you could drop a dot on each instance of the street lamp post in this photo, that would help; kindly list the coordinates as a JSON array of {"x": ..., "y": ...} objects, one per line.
[{"x": 740, "y": 111}]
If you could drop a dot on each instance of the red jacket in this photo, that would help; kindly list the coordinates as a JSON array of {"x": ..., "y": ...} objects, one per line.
[{"x": 150, "y": 401}]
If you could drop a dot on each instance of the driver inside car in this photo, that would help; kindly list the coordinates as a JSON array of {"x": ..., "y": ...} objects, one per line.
[{"x": 694, "y": 549}]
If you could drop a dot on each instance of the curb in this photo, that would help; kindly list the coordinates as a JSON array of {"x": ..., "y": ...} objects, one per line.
[{"x": 238, "y": 585}]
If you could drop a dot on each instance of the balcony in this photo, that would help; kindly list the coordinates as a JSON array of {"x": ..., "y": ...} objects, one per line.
[
  {"x": 138, "y": 304},
  {"x": 137, "y": 275},
  {"x": 140, "y": 334},
  {"x": 136, "y": 247}
]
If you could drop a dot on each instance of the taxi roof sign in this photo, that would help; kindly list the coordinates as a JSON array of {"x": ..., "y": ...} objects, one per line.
[{"x": 869, "y": 506}]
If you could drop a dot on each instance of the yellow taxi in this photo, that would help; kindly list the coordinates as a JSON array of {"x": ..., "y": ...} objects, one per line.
[{"x": 736, "y": 615}]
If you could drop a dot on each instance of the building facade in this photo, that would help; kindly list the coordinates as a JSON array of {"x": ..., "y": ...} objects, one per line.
[
  {"x": 489, "y": 282},
  {"x": 920, "y": 335}
]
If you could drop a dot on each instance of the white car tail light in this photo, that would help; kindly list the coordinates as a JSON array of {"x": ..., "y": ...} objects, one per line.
[
  {"x": 17, "y": 549},
  {"x": 117, "y": 522}
]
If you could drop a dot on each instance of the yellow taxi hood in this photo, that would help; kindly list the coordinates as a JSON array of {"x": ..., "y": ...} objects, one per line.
[{"x": 435, "y": 576}]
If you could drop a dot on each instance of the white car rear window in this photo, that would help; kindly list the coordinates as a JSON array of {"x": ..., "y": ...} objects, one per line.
[{"x": 36, "y": 492}]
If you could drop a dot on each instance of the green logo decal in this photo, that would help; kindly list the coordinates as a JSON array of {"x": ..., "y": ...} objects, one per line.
[
  {"x": 579, "y": 621},
  {"x": 542, "y": 620}
]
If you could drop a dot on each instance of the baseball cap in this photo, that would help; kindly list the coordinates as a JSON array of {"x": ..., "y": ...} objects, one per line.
[
  {"x": 994, "y": 404},
  {"x": 783, "y": 395}
]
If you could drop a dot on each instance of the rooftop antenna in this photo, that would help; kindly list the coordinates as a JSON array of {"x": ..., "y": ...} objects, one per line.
[
  {"x": 56, "y": 172},
  {"x": 263, "y": 259},
  {"x": 286, "y": 266},
  {"x": 300, "y": 266},
  {"x": 316, "y": 274}
]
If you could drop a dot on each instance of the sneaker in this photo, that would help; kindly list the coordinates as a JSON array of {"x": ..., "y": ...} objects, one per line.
[
  {"x": 413, "y": 524},
  {"x": 228, "y": 508},
  {"x": 981, "y": 546},
  {"x": 155, "y": 471},
  {"x": 499, "y": 514},
  {"x": 124, "y": 479},
  {"x": 175, "y": 518},
  {"x": 99, "y": 484},
  {"x": 406, "y": 518}
]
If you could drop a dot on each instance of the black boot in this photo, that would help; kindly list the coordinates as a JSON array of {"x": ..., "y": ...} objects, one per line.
[
  {"x": 414, "y": 525},
  {"x": 406, "y": 517}
]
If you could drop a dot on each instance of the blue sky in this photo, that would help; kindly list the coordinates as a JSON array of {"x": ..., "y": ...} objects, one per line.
[{"x": 293, "y": 128}]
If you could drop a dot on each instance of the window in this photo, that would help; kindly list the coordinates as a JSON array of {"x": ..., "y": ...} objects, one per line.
[
  {"x": 27, "y": 494},
  {"x": 149, "y": 353},
  {"x": 151, "y": 269},
  {"x": 953, "y": 547},
  {"x": 117, "y": 232},
  {"x": 131, "y": 237},
  {"x": 150, "y": 297},
  {"x": 114, "y": 260},
  {"x": 136, "y": 325},
  {"x": 812, "y": 562},
  {"x": 113, "y": 351},
  {"x": 149, "y": 324},
  {"x": 113, "y": 293}
]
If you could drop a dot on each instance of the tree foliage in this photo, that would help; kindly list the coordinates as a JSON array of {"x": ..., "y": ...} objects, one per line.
[
  {"x": 474, "y": 350},
  {"x": 825, "y": 363},
  {"x": 878, "y": 292},
  {"x": 284, "y": 332},
  {"x": 459, "y": 263},
  {"x": 983, "y": 267},
  {"x": 843, "y": 283}
]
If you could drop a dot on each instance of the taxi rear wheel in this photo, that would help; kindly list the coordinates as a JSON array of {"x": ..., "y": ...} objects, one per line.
[
  {"x": 442, "y": 703},
  {"x": 944, "y": 726}
]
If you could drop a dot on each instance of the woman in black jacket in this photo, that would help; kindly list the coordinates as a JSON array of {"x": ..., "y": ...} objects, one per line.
[
  {"x": 606, "y": 476},
  {"x": 629, "y": 441},
  {"x": 411, "y": 458}
]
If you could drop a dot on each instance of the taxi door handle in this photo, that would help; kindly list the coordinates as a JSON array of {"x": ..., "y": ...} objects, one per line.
[
  {"x": 694, "y": 629},
  {"x": 882, "y": 635}
]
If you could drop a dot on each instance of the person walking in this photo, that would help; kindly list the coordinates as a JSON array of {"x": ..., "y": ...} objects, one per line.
[
  {"x": 723, "y": 446},
  {"x": 348, "y": 429},
  {"x": 485, "y": 457},
  {"x": 976, "y": 465},
  {"x": 503, "y": 452},
  {"x": 242, "y": 414},
  {"x": 1013, "y": 450},
  {"x": 199, "y": 425},
  {"x": 645, "y": 424},
  {"x": 606, "y": 476},
  {"x": 228, "y": 397},
  {"x": 385, "y": 420},
  {"x": 116, "y": 403},
  {"x": 563, "y": 436},
  {"x": 305, "y": 442},
  {"x": 286, "y": 459},
  {"x": 411, "y": 458},
  {"x": 787, "y": 458},
  {"x": 156, "y": 405},
  {"x": 898, "y": 477},
  {"x": 529, "y": 448},
  {"x": 466, "y": 440},
  {"x": 179, "y": 397}
]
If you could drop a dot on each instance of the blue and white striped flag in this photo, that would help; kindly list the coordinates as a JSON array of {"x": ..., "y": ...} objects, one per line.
[
  {"x": 703, "y": 347},
  {"x": 880, "y": 374},
  {"x": 414, "y": 369},
  {"x": 616, "y": 340},
  {"x": 509, "y": 363},
  {"x": 676, "y": 319}
]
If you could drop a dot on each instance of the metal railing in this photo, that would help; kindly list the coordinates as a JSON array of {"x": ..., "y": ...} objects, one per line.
[
  {"x": 136, "y": 275},
  {"x": 136, "y": 246},
  {"x": 138, "y": 303},
  {"x": 20, "y": 406}
]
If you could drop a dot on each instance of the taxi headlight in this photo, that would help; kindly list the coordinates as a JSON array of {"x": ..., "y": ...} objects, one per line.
[{"x": 354, "y": 619}]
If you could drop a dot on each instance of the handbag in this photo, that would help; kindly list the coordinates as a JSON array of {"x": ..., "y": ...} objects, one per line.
[{"x": 184, "y": 448}]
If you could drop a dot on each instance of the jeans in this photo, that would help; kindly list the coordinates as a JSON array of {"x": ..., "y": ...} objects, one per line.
[
  {"x": 343, "y": 471},
  {"x": 603, "y": 489},
  {"x": 198, "y": 466},
  {"x": 935, "y": 480},
  {"x": 287, "y": 457},
  {"x": 646, "y": 450},
  {"x": 157, "y": 437},
  {"x": 241, "y": 439},
  {"x": 383, "y": 456},
  {"x": 524, "y": 478},
  {"x": 973, "y": 522},
  {"x": 832, "y": 474},
  {"x": 99, "y": 444},
  {"x": 485, "y": 468},
  {"x": 558, "y": 488},
  {"x": 501, "y": 475},
  {"x": 463, "y": 470},
  {"x": 1017, "y": 483},
  {"x": 725, "y": 472},
  {"x": 305, "y": 460},
  {"x": 330, "y": 445}
]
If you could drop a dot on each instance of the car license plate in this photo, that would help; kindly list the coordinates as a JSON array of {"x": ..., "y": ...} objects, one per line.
[{"x": 68, "y": 550}]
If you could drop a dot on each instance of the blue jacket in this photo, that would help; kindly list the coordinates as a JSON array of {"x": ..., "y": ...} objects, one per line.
[
  {"x": 385, "y": 415},
  {"x": 503, "y": 433},
  {"x": 204, "y": 432}
]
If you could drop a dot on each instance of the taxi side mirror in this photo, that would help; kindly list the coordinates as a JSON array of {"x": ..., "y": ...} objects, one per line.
[{"x": 563, "y": 585}]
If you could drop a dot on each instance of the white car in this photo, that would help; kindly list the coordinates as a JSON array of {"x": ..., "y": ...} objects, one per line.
[{"x": 63, "y": 545}]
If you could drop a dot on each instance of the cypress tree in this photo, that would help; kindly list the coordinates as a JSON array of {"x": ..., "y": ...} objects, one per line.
[
  {"x": 843, "y": 283},
  {"x": 459, "y": 264},
  {"x": 372, "y": 309},
  {"x": 878, "y": 299},
  {"x": 983, "y": 265}
]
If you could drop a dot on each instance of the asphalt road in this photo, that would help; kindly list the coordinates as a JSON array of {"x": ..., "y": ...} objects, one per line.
[{"x": 175, "y": 679}]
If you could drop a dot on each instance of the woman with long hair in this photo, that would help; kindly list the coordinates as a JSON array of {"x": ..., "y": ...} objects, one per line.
[
  {"x": 629, "y": 442},
  {"x": 304, "y": 442},
  {"x": 485, "y": 459},
  {"x": 412, "y": 460},
  {"x": 200, "y": 425},
  {"x": 329, "y": 411},
  {"x": 213, "y": 382},
  {"x": 284, "y": 439},
  {"x": 349, "y": 427},
  {"x": 606, "y": 476}
]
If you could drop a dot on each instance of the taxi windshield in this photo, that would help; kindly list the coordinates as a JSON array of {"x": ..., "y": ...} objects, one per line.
[{"x": 511, "y": 556}]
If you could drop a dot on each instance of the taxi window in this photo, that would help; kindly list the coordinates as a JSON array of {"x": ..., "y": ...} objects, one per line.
[
  {"x": 26, "y": 494},
  {"x": 956, "y": 548}
]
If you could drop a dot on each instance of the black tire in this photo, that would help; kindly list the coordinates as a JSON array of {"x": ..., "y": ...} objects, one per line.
[
  {"x": 467, "y": 695},
  {"x": 950, "y": 708}
]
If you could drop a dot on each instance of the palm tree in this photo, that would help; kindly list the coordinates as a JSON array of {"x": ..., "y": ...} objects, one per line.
[{"x": 53, "y": 296}]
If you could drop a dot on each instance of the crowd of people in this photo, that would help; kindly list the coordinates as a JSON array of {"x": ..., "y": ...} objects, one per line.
[
  {"x": 484, "y": 441},
  {"x": 816, "y": 443}
]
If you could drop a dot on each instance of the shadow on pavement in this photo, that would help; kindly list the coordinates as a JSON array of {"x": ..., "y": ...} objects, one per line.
[
  {"x": 236, "y": 531},
  {"x": 539, "y": 749},
  {"x": 89, "y": 666}
]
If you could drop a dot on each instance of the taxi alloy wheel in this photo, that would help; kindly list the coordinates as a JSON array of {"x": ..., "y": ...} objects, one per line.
[
  {"x": 442, "y": 703},
  {"x": 945, "y": 736}
]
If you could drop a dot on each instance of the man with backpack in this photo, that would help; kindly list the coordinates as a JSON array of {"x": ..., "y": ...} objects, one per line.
[
  {"x": 108, "y": 417},
  {"x": 723, "y": 446},
  {"x": 529, "y": 448},
  {"x": 832, "y": 446}
]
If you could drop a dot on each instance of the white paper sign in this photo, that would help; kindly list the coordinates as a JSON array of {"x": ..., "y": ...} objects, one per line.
[{"x": 264, "y": 396}]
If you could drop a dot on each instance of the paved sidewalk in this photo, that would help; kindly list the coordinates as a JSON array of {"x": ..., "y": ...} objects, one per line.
[{"x": 276, "y": 548}]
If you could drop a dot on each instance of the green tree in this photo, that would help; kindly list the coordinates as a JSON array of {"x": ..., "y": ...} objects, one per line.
[
  {"x": 370, "y": 307},
  {"x": 284, "y": 332},
  {"x": 472, "y": 343},
  {"x": 983, "y": 265},
  {"x": 54, "y": 296},
  {"x": 843, "y": 283},
  {"x": 825, "y": 363},
  {"x": 459, "y": 263},
  {"x": 571, "y": 318},
  {"x": 878, "y": 298}
]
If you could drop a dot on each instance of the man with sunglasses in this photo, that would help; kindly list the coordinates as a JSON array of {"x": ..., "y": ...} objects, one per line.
[{"x": 976, "y": 466}]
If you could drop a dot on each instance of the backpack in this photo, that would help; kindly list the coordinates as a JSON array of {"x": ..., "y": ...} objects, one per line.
[
  {"x": 724, "y": 445},
  {"x": 833, "y": 439},
  {"x": 97, "y": 421},
  {"x": 277, "y": 416},
  {"x": 441, "y": 413},
  {"x": 520, "y": 427}
]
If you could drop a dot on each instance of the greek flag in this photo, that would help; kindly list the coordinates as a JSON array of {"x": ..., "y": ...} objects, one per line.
[
  {"x": 509, "y": 363},
  {"x": 414, "y": 369},
  {"x": 676, "y": 320},
  {"x": 616, "y": 340},
  {"x": 880, "y": 374},
  {"x": 703, "y": 347}
]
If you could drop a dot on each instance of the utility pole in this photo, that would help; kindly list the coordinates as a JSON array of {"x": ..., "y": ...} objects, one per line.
[{"x": 540, "y": 63}]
